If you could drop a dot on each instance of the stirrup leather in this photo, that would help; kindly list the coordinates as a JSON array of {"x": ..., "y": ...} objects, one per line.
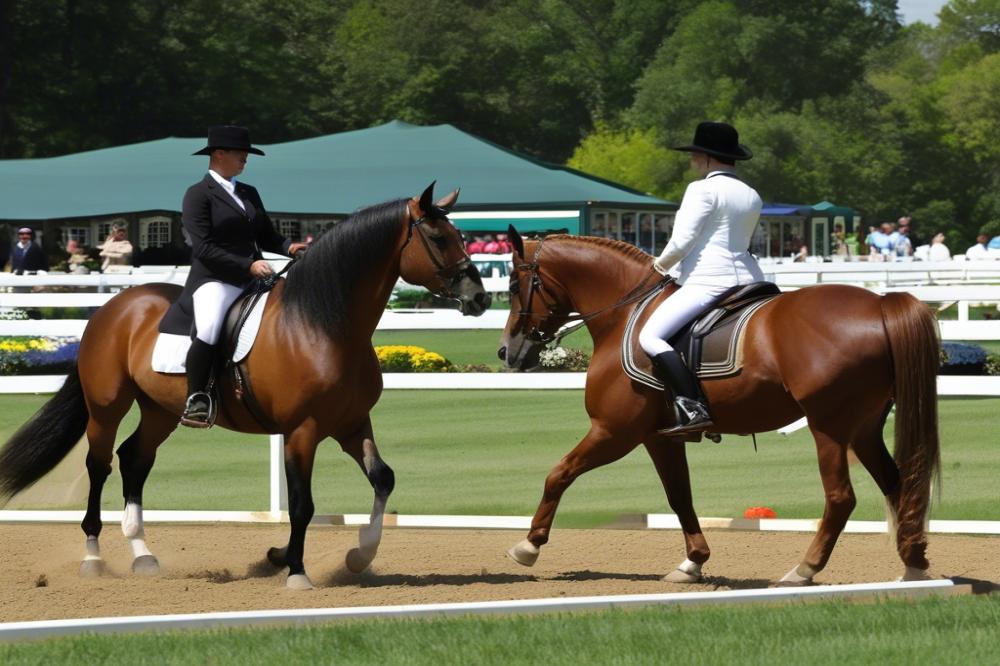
[{"x": 193, "y": 416}]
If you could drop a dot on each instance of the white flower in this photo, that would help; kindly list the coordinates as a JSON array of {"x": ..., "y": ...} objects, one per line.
[{"x": 553, "y": 358}]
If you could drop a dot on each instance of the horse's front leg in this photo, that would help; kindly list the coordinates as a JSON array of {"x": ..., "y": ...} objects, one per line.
[
  {"x": 300, "y": 452},
  {"x": 597, "y": 448},
  {"x": 670, "y": 459},
  {"x": 361, "y": 447}
]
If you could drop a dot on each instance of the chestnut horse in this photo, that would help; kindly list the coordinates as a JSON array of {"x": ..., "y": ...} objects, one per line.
[
  {"x": 840, "y": 355},
  {"x": 313, "y": 368}
]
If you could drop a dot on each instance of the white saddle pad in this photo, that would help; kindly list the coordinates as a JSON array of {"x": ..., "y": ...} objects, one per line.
[{"x": 170, "y": 351}]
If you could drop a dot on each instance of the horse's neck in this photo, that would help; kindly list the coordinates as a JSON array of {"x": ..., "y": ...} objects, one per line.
[
  {"x": 594, "y": 278},
  {"x": 373, "y": 296}
]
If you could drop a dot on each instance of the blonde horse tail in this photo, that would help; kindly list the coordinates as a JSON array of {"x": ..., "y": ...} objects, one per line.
[{"x": 913, "y": 340}]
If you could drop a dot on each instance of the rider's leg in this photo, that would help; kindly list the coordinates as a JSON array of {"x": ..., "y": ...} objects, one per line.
[
  {"x": 211, "y": 302},
  {"x": 669, "y": 318}
]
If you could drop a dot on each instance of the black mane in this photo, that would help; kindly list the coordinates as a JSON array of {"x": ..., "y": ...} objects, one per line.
[{"x": 321, "y": 285}]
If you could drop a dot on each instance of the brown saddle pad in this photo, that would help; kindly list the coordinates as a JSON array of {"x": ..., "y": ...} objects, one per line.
[{"x": 712, "y": 344}]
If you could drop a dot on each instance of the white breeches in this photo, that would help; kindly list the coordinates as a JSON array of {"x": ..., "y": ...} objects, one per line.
[
  {"x": 211, "y": 302},
  {"x": 674, "y": 313}
]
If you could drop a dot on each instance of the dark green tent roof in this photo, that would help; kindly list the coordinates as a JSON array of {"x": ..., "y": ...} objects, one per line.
[{"x": 338, "y": 173}]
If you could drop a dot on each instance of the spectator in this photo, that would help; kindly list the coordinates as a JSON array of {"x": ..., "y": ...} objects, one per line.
[
  {"x": 503, "y": 244},
  {"x": 26, "y": 255},
  {"x": 939, "y": 251},
  {"x": 904, "y": 246},
  {"x": 979, "y": 250},
  {"x": 476, "y": 246},
  {"x": 801, "y": 255},
  {"x": 839, "y": 239},
  {"x": 75, "y": 263},
  {"x": 883, "y": 242},
  {"x": 116, "y": 250},
  {"x": 994, "y": 243},
  {"x": 491, "y": 247}
]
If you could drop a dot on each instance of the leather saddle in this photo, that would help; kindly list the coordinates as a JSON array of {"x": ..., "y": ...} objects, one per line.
[{"x": 711, "y": 344}]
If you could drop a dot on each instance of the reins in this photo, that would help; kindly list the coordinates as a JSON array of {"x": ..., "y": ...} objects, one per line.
[{"x": 638, "y": 293}]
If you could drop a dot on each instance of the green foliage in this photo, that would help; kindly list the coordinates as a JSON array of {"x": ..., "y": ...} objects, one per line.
[{"x": 992, "y": 366}]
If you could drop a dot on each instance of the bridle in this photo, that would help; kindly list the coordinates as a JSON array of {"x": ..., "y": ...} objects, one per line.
[
  {"x": 449, "y": 274},
  {"x": 535, "y": 286}
]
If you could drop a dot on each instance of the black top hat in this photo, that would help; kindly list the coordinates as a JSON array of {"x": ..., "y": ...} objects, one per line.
[
  {"x": 230, "y": 137},
  {"x": 719, "y": 140}
]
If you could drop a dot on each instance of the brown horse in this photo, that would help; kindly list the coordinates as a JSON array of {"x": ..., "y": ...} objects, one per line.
[
  {"x": 839, "y": 355},
  {"x": 314, "y": 373}
]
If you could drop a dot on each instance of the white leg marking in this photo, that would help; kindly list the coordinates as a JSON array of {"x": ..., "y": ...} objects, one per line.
[
  {"x": 687, "y": 572},
  {"x": 299, "y": 582},
  {"x": 801, "y": 575},
  {"x": 93, "y": 549},
  {"x": 132, "y": 521},
  {"x": 369, "y": 538}
]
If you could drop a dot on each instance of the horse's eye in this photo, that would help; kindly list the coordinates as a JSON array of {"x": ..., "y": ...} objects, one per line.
[
  {"x": 440, "y": 241},
  {"x": 515, "y": 287}
]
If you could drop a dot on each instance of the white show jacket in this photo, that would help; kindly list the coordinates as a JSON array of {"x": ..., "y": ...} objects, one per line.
[{"x": 711, "y": 235}]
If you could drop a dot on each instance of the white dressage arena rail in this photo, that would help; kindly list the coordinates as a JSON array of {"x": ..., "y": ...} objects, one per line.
[{"x": 20, "y": 631}]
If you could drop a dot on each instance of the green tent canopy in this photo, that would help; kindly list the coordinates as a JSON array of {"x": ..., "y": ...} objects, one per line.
[{"x": 334, "y": 174}]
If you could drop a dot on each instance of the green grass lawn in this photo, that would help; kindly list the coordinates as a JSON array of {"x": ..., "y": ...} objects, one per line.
[
  {"x": 488, "y": 452},
  {"x": 957, "y": 630}
]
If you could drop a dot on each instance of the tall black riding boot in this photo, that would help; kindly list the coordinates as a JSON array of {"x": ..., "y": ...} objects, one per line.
[
  {"x": 692, "y": 414},
  {"x": 200, "y": 361}
]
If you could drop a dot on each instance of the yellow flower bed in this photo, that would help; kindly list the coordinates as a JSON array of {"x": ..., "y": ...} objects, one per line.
[
  {"x": 34, "y": 344},
  {"x": 409, "y": 358}
]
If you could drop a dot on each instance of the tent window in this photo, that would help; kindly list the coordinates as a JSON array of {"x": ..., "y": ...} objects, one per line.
[
  {"x": 290, "y": 229},
  {"x": 154, "y": 232},
  {"x": 79, "y": 234}
]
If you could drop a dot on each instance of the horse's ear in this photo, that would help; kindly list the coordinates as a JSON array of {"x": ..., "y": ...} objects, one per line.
[
  {"x": 515, "y": 240},
  {"x": 446, "y": 202},
  {"x": 427, "y": 199}
]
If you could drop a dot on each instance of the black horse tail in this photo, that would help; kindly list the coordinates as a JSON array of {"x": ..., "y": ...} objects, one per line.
[
  {"x": 913, "y": 338},
  {"x": 43, "y": 441}
]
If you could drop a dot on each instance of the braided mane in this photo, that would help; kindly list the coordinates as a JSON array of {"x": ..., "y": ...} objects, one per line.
[{"x": 627, "y": 250}]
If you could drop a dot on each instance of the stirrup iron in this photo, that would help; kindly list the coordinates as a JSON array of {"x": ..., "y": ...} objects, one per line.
[{"x": 194, "y": 420}]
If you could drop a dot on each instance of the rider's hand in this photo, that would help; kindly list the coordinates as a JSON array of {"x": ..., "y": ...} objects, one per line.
[
  {"x": 295, "y": 248},
  {"x": 658, "y": 268},
  {"x": 260, "y": 269}
]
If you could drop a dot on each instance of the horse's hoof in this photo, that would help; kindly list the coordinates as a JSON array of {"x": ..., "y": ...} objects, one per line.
[
  {"x": 145, "y": 565},
  {"x": 299, "y": 582},
  {"x": 687, "y": 572},
  {"x": 800, "y": 576},
  {"x": 356, "y": 562},
  {"x": 524, "y": 553},
  {"x": 913, "y": 573},
  {"x": 92, "y": 568},
  {"x": 277, "y": 556}
]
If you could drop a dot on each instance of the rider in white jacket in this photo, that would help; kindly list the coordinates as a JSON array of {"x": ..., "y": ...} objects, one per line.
[{"x": 708, "y": 252}]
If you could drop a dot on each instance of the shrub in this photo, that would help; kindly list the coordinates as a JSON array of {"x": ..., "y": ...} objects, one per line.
[
  {"x": 992, "y": 365},
  {"x": 408, "y": 358},
  {"x": 562, "y": 359},
  {"x": 961, "y": 358}
]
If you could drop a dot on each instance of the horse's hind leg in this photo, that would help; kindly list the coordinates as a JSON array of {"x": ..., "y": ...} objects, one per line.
[
  {"x": 670, "y": 459},
  {"x": 361, "y": 447},
  {"x": 597, "y": 448},
  {"x": 136, "y": 456},
  {"x": 831, "y": 450},
  {"x": 102, "y": 426}
]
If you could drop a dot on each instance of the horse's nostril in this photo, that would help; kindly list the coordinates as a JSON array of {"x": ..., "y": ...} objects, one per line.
[{"x": 502, "y": 353}]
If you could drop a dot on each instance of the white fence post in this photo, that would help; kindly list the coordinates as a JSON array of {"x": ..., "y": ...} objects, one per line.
[{"x": 279, "y": 487}]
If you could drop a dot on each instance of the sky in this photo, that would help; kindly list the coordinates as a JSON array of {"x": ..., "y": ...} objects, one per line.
[{"x": 920, "y": 10}]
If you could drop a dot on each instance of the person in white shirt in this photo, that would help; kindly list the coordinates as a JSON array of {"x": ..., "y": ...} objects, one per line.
[
  {"x": 708, "y": 252},
  {"x": 939, "y": 251},
  {"x": 978, "y": 251}
]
